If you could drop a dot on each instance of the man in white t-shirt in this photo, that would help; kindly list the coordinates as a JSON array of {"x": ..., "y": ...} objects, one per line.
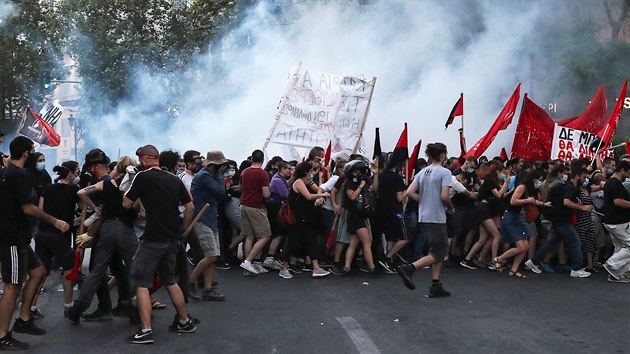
[
  {"x": 431, "y": 188},
  {"x": 193, "y": 161}
]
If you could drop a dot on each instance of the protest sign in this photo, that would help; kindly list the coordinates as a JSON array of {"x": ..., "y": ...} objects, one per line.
[{"x": 569, "y": 144}]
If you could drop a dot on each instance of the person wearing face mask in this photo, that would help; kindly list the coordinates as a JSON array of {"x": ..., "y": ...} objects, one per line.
[
  {"x": 208, "y": 187},
  {"x": 59, "y": 200},
  {"x": 229, "y": 214},
  {"x": 585, "y": 226},
  {"x": 39, "y": 175},
  {"x": 193, "y": 161},
  {"x": 17, "y": 259},
  {"x": 564, "y": 201},
  {"x": 181, "y": 167},
  {"x": 513, "y": 229}
]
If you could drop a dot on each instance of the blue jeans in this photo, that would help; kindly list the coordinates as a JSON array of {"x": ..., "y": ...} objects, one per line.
[
  {"x": 419, "y": 243},
  {"x": 568, "y": 235}
]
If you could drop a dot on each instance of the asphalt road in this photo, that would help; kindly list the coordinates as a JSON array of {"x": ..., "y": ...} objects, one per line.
[{"x": 487, "y": 313}]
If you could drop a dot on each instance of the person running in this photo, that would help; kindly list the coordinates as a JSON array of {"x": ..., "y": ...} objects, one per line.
[
  {"x": 254, "y": 222},
  {"x": 117, "y": 237},
  {"x": 430, "y": 188},
  {"x": 617, "y": 222},
  {"x": 17, "y": 258},
  {"x": 279, "y": 188},
  {"x": 59, "y": 200},
  {"x": 161, "y": 194},
  {"x": 512, "y": 228},
  {"x": 564, "y": 201}
]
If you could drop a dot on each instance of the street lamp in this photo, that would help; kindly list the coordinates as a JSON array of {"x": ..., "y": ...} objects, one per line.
[{"x": 73, "y": 125}]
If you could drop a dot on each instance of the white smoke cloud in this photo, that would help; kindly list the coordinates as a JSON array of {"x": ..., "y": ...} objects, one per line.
[
  {"x": 423, "y": 53},
  {"x": 7, "y": 10}
]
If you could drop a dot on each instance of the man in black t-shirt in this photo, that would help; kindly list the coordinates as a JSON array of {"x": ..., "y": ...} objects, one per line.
[
  {"x": 161, "y": 193},
  {"x": 617, "y": 221},
  {"x": 564, "y": 202},
  {"x": 389, "y": 206},
  {"x": 17, "y": 210}
]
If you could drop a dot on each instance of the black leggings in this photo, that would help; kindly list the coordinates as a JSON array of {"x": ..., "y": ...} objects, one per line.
[{"x": 302, "y": 235}]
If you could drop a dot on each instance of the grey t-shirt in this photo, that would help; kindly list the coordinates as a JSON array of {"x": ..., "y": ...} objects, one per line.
[{"x": 430, "y": 182}]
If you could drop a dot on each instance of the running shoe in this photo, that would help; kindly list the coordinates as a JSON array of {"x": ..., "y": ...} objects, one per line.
[
  {"x": 271, "y": 263},
  {"x": 580, "y": 273},
  {"x": 248, "y": 266},
  {"x": 615, "y": 280},
  {"x": 295, "y": 269},
  {"x": 405, "y": 271},
  {"x": 259, "y": 267},
  {"x": 436, "y": 290},
  {"x": 27, "y": 327},
  {"x": 468, "y": 264},
  {"x": 531, "y": 266},
  {"x": 187, "y": 327},
  {"x": 9, "y": 343},
  {"x": 98, "y": 315},
  {"x": 212, "y": 295},
  {"x": 319, "y": 273},
  {"x": 285, "y": 273},
  {"x": 546, "y": 268},
  {"x": 142, "y": 337}
]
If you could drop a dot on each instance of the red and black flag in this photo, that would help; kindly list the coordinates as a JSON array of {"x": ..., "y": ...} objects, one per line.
[
  {"x": 412, "y": 161},
  {"x": 401, "y": 151},
  {"x": 377, "y": 145},
  {"x": 34, "y": 127},
  {"x": 458, "y": 110}
]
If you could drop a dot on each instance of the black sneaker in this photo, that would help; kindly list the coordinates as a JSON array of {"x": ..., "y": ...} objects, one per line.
[
  {"x": 73, "y": 313},
  {"x": 119, "y": 311},
  {"x": 98, "y": 315},
  {"x": 336, "y": 270},
  {"x": 224, "y": 266},
  {"x": 27, "y": 327},
  {"x": 212, "y": 295},
  {"x": 9, "y": 343},
  {"x": 436, "y": 290},
  {"x": 387, "y": 265},
  {"x": 468, "y": 264},
  {"x": 187, "y": 327},
  {"x": 295, "y": 269},
  {"x": 141, "y": 337},
  {"x": 36, "y": 314},
  {"x": 364, "y": 268},
  {"x": 405, "y": 271},
  {"x": 307, "y": 268}
]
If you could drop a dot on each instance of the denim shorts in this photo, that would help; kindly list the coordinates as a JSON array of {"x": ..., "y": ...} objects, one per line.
[{"x": 512, "y": 228}]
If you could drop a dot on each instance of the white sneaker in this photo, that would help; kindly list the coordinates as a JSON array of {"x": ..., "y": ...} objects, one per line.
[
  {"x": 271, "y": 263},
  {"x": 259, "y": 267},
  {"x": 580, "y": 273},
  {"x": 284, "y": 273},
  {"x": 318, "y": 273},
  {"x": 531, "y": 266},
  {"x": 248, "y": 266}
]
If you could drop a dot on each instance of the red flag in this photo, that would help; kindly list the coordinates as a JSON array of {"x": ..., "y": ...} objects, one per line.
[
  {"x": 628, "y": 147},
  {"x": 503, "y": 121},
  {"x": 401, "y": 151},
  {"x": 73, "y": 274},
  {"x": 594, "y": 118},
  {"x": 534, "y": 133},
  {"x": 412, "y": 161},
  {"x": 504, "y": 155},
  {"x": 326, "y": 161},
  {"x": 34, "y": 127},
  {"x": 607, "y": 132},
  {"x": 458, "y": 110}
]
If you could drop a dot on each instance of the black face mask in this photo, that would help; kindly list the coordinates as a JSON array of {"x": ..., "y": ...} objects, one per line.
[{"x": 31, "y": 161}]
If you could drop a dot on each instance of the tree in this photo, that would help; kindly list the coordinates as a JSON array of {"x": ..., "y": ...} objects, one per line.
[
  {"x": 30, "y": 40},
  {"x": 616, "y": 24}
]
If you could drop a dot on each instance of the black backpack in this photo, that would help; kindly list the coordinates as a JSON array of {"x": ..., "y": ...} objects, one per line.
[{"x": 366, "y": 202}]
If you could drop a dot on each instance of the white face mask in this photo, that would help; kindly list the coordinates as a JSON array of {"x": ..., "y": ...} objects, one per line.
[{"x": 564, "y": 178}]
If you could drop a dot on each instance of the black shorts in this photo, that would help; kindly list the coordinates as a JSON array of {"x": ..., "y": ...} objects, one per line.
[
  {"x": 16, "y": 262},
  {"x": 151, "y": 257},
  {"x": 437, "y": 239},
  {"x": 394, "y": 228},
  {"x": 49, "y": 244},
  {"x": 355, "y": 222}
]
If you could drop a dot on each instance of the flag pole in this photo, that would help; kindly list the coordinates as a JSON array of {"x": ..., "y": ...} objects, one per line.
[
  {"x": 367, "y": 111},
  {"x": 294, "y": 75}
]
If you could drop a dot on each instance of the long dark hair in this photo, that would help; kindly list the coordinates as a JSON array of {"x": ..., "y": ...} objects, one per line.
[
  {"x": 528, "y": 182},
  {"x": 64, "y": 169},
  {"x": 301, "y": 170}
]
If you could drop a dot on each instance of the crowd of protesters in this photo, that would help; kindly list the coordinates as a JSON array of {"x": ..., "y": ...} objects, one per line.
[{"x": 161, "y": 220}]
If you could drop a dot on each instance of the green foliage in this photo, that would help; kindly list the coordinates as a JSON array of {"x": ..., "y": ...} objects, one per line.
[{"x": 29, "y": 45}]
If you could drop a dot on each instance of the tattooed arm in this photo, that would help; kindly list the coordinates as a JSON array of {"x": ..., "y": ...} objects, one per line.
[{"x": 84, "y": 195}]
